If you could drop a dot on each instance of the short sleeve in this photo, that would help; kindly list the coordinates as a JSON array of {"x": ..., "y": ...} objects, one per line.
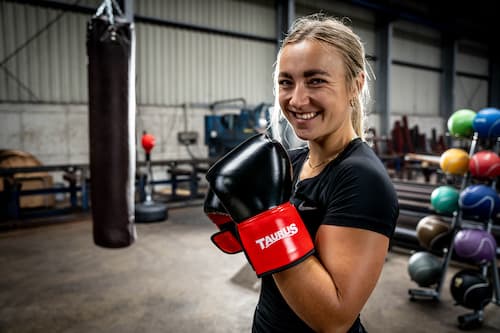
[{"x": 362, "y": 196}]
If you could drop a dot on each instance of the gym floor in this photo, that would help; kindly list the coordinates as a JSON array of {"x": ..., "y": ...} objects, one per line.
[{"x": 172, "y": 279}]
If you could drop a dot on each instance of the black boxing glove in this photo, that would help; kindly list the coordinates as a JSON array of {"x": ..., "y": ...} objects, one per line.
[
  {"x": 226, "y": 239},
  {"x": 254, "y": 183}
]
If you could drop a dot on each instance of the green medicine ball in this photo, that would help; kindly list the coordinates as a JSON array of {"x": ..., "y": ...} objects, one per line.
[
  {"x": 444, "y": 199},
  {"x": 460, "y": 123}
]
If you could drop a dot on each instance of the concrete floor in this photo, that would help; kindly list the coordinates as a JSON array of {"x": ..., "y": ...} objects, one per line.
[{"x": 54, "y": 279}]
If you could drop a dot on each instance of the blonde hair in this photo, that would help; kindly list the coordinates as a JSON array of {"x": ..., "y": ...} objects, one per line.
[{"x": 333, "y": 32}]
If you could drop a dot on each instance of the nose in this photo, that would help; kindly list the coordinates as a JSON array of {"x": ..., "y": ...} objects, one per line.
[{"x": 299, "y": 97}]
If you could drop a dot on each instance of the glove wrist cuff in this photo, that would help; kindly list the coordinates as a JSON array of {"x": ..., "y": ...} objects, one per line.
[{"x": 275, "y": 239}]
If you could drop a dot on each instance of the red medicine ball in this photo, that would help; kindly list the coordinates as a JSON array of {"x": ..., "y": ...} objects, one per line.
[{"x": 484, "y": 164}]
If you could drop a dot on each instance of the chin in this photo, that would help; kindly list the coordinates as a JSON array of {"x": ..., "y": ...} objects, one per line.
[{"x": 303, "y": 136}]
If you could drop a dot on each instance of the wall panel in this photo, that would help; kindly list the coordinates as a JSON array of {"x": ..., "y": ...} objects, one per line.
[{"x": 173, "y": 65}]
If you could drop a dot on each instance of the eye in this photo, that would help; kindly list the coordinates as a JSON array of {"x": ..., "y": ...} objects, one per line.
[
  {"x": 285, "y": 83},
  {"x": 316, "y": 81}
]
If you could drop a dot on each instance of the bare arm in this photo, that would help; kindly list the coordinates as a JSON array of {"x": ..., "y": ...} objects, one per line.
[{"x": 328, "y": 294}]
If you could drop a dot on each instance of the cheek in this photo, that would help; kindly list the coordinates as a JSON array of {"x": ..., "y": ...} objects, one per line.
[{"x": 282, "y": 100}]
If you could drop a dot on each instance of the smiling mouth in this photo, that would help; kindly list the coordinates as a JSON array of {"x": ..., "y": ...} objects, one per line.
[{"x": 305, "y": 115}]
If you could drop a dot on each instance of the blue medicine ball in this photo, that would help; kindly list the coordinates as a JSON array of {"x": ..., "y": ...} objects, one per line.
[
  {"x": 479, "y": 200},
  {"x": 487, "y": 123}
]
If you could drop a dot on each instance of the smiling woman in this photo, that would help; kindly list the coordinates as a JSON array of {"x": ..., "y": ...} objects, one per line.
[{"x": 321, "y": 90}]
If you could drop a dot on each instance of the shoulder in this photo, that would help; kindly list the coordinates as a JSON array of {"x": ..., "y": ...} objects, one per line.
[
  {"x": 361, "y": 161},
  {"x": 361, "y": 193}
]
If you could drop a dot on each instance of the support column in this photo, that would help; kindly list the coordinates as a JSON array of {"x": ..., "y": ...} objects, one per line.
[
  {"x": 448, "y": 63},
  {"x": 285, "y": 15},
  {"x": 383, "y": 69},
  {"x": 494, "y": 84}
]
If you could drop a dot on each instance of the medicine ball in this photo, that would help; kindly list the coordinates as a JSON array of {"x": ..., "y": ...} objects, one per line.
[
  {"x": 433, "y": 232},
  {"x": 470, "y": 289},
  {"x": 487, "y": 123},
  {"x": 424, "y": 268},
  {"x": 460, "y": 123},
  {"x": 479, "y": 200},
  {"x": 444, "y": 199},
  {"x": 484, "y": 164},
  {"x": 454, "y": 161},
  {"x": 475, "y": 244}
]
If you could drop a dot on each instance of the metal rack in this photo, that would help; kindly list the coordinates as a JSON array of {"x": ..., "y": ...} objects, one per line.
[{"x": 489, "y": 270}]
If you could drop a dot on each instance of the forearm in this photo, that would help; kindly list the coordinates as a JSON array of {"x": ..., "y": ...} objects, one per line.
[{"x": 312, "y": 294}]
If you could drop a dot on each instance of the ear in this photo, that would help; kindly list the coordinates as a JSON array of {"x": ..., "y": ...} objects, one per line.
[
  {"x": 357, "y": 85},
  {"x": 360, "y": 81}
]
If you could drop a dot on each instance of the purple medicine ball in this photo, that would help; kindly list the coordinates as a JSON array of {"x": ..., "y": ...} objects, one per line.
[
  {"x": 479, "y": 200},
  {"x": 475, "y": 244}
]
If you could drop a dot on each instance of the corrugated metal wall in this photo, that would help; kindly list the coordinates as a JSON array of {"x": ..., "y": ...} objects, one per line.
[
  {"x": 178, "y": 66},
  {"x": 415, "y": 91},
  {"x": 238, "y": 16},
  {"x": 173, "y": 65},
  {"x": 52, "y": 65},
  {"x": 41, "y": 83}
]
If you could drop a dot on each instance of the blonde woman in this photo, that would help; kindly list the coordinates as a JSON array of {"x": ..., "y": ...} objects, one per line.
[{"x": 341, "y": 189}]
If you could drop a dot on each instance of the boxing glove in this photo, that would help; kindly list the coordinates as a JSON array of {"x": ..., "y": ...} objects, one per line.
[
  {"x": 226, "y": 239},
  {"x": 254, "y": 183}
]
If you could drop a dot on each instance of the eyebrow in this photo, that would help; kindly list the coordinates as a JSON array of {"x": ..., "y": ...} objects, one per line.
[
  {"x": 307, "y": 73},
  {"x": 313, "y": 72}
]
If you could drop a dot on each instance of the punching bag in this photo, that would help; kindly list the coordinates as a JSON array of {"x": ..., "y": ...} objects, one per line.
[{"x": 111, "y": 72}]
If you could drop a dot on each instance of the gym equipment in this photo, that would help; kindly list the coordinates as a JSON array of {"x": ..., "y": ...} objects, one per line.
[
  {"x": 484, "y": 164},
  {"x": 227, "y": 237},
  {"x": 486, "y": 123},
  {"x": 476, "y": 245},
  {"x": 460, "y": 123},
  {"x": 448, "y": 159},
  {"x": 444, "y": 199},
  {"x": 111, "y": 78},
  {"x": 148, "y": 210},
  {"x": 254, "y": 183},
  {"x": 424, "y": 268},
  {"x": 454, "y": 161},
  {"x": 433, "y": 233},
  {"x": 224, "y": 132},
  {"x": 470, "y": 289},
  {"x": 479, "y": 200},
  {"x": 19, "y": 183}
]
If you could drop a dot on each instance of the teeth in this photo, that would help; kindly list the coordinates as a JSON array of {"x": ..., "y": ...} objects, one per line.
[{"x": 305, "y": 116}]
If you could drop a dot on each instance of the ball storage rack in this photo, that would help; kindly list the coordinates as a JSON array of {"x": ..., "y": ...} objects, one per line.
[{"x": 489, "y": 269}]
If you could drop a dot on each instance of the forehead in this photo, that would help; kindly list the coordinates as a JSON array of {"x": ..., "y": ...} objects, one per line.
[{"x": 308, "y": 54}]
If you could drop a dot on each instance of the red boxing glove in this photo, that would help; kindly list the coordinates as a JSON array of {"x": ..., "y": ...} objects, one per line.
[{"x": 226, "y": 239}]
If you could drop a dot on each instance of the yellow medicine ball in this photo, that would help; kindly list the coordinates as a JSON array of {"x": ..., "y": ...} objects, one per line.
[{"x": 454, "y": 161}]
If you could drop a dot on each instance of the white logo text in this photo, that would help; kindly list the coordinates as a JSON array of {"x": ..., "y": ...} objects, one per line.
[{"x": 270, "y": 239}]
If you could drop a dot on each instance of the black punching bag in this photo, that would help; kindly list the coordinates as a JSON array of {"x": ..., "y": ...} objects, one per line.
[{"x": 111, "y": 72}]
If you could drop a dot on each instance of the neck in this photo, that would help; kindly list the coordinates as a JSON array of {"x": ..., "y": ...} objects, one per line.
[{"x": 321, "y": 151}]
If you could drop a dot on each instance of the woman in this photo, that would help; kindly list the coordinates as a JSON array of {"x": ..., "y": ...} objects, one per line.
[{"x": 341, "y": 189}]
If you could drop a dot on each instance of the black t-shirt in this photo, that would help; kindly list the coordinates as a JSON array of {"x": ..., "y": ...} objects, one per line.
[{"x": 354, "y": 190}]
